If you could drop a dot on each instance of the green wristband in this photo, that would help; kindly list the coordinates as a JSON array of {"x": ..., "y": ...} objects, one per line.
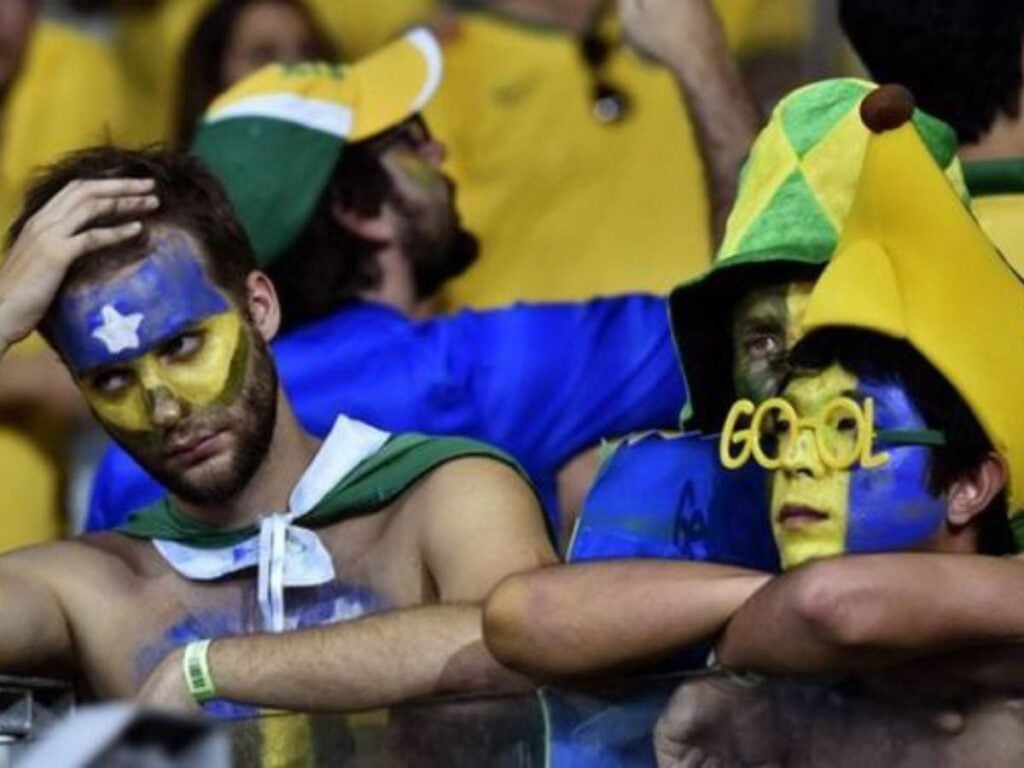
[{"x": 196, "y": 666}]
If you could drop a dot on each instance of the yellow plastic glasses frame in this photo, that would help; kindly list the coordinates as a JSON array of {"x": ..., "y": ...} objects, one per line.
[{"x": 860, "y": 450}]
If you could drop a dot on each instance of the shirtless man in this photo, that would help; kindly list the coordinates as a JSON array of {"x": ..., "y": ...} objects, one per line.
[{"x": 112, "y": 259}]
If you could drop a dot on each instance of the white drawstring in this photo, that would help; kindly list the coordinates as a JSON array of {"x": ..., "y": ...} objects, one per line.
[{"x": 285, "y": 554}]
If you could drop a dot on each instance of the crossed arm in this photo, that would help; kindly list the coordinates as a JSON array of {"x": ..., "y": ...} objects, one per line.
[
  {"x": 861, "y": 612},
  {"x": 573, "y": 620},
  {"x": 480, "y": 524}
]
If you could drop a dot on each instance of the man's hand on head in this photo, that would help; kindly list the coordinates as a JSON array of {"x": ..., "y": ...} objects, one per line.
[{"x": 62, "y": 231}]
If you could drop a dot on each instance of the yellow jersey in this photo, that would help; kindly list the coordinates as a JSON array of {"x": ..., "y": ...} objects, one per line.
[{"x": 566, "y": 207}]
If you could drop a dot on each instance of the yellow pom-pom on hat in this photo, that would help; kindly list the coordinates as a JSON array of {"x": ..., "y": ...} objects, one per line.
[{"x": 913, "y": 264}]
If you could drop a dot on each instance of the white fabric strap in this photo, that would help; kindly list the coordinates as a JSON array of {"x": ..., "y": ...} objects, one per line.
[{"x": 285, "y": 554}]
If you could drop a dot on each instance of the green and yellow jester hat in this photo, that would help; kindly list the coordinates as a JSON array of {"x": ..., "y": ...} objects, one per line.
[
  {"x": 914, "y": 265},
  {"x": 795, "y": 191},
  {"x": 274, "y": 138}
]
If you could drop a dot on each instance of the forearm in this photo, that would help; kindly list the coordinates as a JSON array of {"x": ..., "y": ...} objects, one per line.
[
  {"x": 574, "y": 620},
  {"x": 861, "y": 612},
  {"x": 724, "y": 115},
  {"x": 373, "y": 662}
]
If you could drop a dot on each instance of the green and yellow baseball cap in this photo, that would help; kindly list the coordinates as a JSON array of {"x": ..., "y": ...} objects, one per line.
[
  {"x": 795, "y": 191},
  {"x": 274, "y": 138},
  {"x": 913, "y": 264}
]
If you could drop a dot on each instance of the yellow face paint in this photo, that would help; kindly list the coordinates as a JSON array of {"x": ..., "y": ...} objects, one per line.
[
  {"x": 194, "y": 368},
  {"x": 767, "y": 323},
  {"x": 810, "y": 501}
]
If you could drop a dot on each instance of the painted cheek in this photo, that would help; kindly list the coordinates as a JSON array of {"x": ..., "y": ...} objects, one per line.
[
  {"x": 127, "y": 413},
  {"x": 810, "y": 541},
  {"x": 796, "y": 306},
  {"x": 203, "y": 379},
  {"x": 891, "y": 508}
]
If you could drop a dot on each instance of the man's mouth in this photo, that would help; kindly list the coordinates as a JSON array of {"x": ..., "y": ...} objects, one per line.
[
  {"x": 194, "y": 449},
  {"x": 800, "y": 515}
]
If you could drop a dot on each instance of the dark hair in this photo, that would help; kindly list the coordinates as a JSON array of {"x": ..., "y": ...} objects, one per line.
[
  {"x": 961, "y": 58},
  {"x": 869, "y": 354},
  {"x": 336, "y": 263},
  {"x": 190, "y": 198},
  {"x": 203, "y": 56}
]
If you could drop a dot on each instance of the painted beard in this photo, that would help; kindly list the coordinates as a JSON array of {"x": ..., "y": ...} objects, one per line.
[{"x": 251, "y": 419}]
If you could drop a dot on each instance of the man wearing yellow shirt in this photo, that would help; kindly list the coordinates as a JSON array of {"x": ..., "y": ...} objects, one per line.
[
  {"x": 57, "y": 92},
  {"x": 570, "y": 203},
  {"x": 964, "y": 61}
]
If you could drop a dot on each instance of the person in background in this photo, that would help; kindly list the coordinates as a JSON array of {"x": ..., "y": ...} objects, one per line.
[
  {"x": 234, "y": 39},
  {"x": 613, "y": 195},
  {"x": 964, "y": 62}
]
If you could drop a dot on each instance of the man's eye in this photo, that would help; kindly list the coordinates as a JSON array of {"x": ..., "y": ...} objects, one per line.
[
  {"x": 763, "y": 345},
  {"x": 182, "y": 347},
  {"x": 111, "y": 382}
]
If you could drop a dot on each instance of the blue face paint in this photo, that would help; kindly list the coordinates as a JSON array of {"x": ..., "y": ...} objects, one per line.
[
  {"x": 114, "y": 321},
  {"x": 891, "y": 507}
]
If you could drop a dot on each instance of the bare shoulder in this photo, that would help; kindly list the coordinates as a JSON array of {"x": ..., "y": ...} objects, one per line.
[
  {"x": 479, "y": 521},
  {"x": 477, "y": 476},
  {"x": 91, "y": 559}
]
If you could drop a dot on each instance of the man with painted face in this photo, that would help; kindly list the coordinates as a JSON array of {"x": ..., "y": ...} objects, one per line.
[
  {"x": 136, "y": 270},
  {"x": 339, "y": 185},
  {"x": 878, "y": 445}
]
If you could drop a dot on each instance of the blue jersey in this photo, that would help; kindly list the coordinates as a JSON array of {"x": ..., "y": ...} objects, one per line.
[
  {"x": 667, "y": 498},
  {"x": 671, "y": 498},
  {"x": 542, "y": 382}
]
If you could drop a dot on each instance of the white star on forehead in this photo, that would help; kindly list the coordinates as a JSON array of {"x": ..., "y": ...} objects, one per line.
[{"x": 118, "y": 332}]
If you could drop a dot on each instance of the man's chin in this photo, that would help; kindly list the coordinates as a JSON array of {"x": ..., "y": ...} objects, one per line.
[
  {"x": 213, "y": 481},
  {"x": 431, "y": 276}
]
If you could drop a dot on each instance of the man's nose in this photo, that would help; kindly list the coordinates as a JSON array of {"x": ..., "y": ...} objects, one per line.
[
  {"x": 801, "y": 456},
  {"x": 165, "y": 410},
  {"x": 433, "y": 152}
]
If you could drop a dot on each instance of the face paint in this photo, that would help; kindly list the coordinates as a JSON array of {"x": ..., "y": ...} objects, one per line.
[
  {"x": 153, "y": 344},
  {"x": 892, "y": 507},
  {"x": 817, "y": 510},
  {"x": 766, "y": 326},
  {"x": 809, "y": 501},
  {"x": 203, "y": 366}
]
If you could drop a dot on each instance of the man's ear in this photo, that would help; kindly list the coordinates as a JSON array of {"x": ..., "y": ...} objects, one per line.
[
  {"x": 379, "y": 227},
  {"x": 974, "y": 490},
  {"x": 264, "y": 308}
]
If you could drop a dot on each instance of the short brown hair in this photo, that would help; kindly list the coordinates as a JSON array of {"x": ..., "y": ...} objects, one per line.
[{"x": 190, "y": 198}]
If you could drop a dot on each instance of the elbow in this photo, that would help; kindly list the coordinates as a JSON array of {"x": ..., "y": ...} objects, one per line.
[
  {"x": 839, "y": 606},
  {"x": 512, "y": 632}
]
